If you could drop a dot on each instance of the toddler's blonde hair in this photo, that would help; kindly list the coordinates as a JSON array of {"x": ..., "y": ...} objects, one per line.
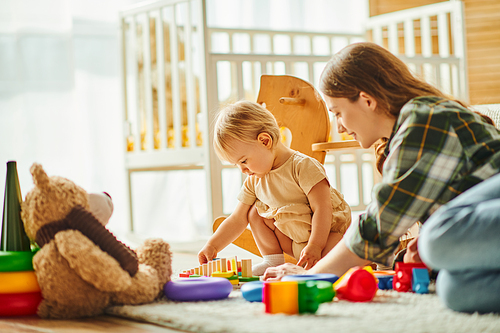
[{"x": 242, "y": 121}]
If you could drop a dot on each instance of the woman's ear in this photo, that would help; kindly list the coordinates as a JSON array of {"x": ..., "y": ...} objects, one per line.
[
  {"x": 368, "y": 100},
  {"x": 265, "y": 139}
]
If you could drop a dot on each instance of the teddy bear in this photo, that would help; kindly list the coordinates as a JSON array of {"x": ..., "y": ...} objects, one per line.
[{"x": 81, "y": 267}]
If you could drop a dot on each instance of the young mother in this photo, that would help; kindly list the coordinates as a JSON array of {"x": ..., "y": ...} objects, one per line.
[{"x": 436, "y": 151}]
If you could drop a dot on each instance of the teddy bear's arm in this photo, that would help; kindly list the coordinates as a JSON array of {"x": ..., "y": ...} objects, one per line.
[{"x": 90, "y": 262}]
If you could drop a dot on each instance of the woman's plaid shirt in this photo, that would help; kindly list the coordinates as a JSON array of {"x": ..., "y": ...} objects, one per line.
[{"x": 438, "y": 149}]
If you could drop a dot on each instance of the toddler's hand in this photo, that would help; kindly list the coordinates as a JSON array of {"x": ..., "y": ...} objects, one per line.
[
  {"x": 309, "y": 256},
  {"x": 411, "y": 255},
  {"x": 207, "y": 253},
  {"x": 276, "y": 273}
]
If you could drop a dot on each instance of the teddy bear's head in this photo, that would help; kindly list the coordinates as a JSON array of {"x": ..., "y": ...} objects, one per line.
[{"x": 50, "y": 200}]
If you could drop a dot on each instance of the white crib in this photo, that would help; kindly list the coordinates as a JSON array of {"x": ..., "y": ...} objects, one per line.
[
  {"x": 169, "y": 105},
  {"x": 431, "y": 40}
]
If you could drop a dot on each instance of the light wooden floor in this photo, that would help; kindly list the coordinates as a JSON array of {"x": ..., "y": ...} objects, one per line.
[
  {"x": 96, "y": 324},
  {"x": 184, "y": 257}
]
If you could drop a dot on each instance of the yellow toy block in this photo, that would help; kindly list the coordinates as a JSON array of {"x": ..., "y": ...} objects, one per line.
[
  {"x": 282, "y": 297},
  {"x": 223, "y": 274},
  {"x": 234, "y": 265}
]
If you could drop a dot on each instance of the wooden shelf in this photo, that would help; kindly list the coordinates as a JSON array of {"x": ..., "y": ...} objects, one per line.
[{"x": 336, "y": 145}]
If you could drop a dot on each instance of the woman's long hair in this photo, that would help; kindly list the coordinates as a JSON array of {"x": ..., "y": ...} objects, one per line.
[{"x": 372, "y": 69}]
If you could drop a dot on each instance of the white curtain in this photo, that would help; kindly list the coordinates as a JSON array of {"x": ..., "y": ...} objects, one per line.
[
  {"x": 60, "y": 98},
  {"x": 60, "y": 94}
]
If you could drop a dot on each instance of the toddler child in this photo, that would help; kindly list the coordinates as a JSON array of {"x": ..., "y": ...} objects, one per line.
[{"x": 286, "y": 197}]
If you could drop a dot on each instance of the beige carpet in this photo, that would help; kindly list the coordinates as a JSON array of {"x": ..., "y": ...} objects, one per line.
[{"x": 390, "y": 311}]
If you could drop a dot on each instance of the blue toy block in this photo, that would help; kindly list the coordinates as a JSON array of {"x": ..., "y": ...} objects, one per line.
[
  {"x": 420, "y": 280},
  {"x": 385, "y": 282},
  {"x": 252, "y": 291}
]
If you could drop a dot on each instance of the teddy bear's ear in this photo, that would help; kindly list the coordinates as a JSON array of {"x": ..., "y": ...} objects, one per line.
[{"x": 40, "y": 178}]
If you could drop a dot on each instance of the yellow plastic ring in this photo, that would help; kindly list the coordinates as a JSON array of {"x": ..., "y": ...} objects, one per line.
[{"x": 18, "y": 282}]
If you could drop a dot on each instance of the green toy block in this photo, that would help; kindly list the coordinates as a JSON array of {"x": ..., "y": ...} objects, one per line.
[
  {"x": 312, "y": 294},
  {"x": 249, "y": 279}
]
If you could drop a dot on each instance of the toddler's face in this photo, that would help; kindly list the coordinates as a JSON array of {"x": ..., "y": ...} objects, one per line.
[{"x": 253, "y": 159}]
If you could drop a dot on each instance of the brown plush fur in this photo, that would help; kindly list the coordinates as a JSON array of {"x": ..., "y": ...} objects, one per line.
[{"x": 76, "y": 277}]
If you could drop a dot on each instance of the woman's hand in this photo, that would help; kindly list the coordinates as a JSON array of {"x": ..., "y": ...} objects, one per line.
[
  {"x": 276, "y": 273},
  {"x": 411, "y": 255},
  {"x": 309, "y": 256},
  {"x": 207, "y": 253}
]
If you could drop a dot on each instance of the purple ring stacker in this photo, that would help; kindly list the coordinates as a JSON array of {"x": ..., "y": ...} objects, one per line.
[{"x": 198, "y": 289}]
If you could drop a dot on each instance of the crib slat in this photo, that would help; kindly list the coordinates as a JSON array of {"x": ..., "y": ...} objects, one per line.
[
  {"x": 455, "y": 81},
  {"x": 444, "y": 43},
  {"x": 290, "y": 68},
  {"x": 437, "y": 75},
  {"x": 190, "y": 84},
  {"x": 231, "y": 44},
  {"x": 311, "y": 45},
  {"x": 256, "y": 77},
  {"x": 377, "y": 34},
  {"x": 238, "y": 78},
  {"x": 393, "y": 37},
  {"x": 174, "y": 65},
  {"x": 251, "y": 36},
  {"x": 148, "y": 95},
  {"x": 458, "y": 25},
  {"x": 160, "y": 63},
  {"x": 426, "y": 40},
  {"x": 135, "y": 78},
  {"x": 359, "y": 168},
  {"x": 459, "y": 46},
  {"x": 409, "y": 33},
  {"x": 123, "y": 48},
  {"x": 271, "y": 43},
  {"x": 425, "y": 30},
  {"x": 263, "y": 67},
  {"x": 444, "y": 51},
  {"x": 409, "y": 40}
]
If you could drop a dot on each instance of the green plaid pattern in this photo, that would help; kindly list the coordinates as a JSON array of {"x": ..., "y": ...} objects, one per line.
[{"x": 438, "y": 149}]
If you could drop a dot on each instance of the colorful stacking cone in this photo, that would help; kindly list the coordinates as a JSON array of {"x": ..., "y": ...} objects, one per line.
[
  {"x": 13, "y": 236},
  {"x": 19, "y": 290}
]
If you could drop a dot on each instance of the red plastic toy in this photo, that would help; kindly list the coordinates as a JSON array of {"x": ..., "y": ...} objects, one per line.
[
  {"x": 402, "y": 279},
  {"x": 356, "y": 285}
]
